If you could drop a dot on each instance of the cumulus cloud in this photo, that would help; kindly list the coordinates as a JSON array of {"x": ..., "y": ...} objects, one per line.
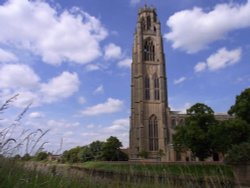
[
  {"x": 92, "y": 67},
  {"x": 199, "y": 67},
  {"x": 6, "y": 56},
  {"x": 192, "y": 30},
  {"x": 180, "y": 80},
  {"x": 21, "y": 79},
  {"x": 16, "y": 76},
  {"x": 71, "y": 35},
  {"x": 61, "y": 86},
  {"x": 108, "y": 107},
  {"x": 99, "y": 90},
  {"x": 112, "y": 51},
  {"x": 119, "y": 125},
  {"x": 35, "y": 115},
  {"x": 125, "y": 63},
  {"x": 220, "y": 60}
]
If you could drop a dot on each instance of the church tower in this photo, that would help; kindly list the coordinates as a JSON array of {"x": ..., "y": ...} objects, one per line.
[{"x": 149, "y": 101}]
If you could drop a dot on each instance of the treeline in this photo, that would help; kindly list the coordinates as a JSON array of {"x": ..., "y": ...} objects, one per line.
[
  {"x": 96, "y": 151},
  {"x": 207, "y": 137}
]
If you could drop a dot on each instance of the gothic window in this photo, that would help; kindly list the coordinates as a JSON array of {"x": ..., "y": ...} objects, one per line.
[
  {"x": 148, "y": 22},
  {"x": 153, "y": 133},
  {"x": 156, "y": 87},
  {"x": 143, "y": 24},
  {"x": 147, "y": 88},
  {"x": 149, "y": 50},
  {"x": 173, "y": 123}
]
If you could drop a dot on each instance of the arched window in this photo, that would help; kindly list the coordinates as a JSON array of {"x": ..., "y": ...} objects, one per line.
[
  {"x": 148, "y": 22},
  {"x": 173, "y": 123},
  {"x": 146, "y": 88},
  {"x": 153, "y": 133},
  {"x": 156, "y": 87},
  {"x": 149, "y": 50},
  {"x": 143, "y": 24}
]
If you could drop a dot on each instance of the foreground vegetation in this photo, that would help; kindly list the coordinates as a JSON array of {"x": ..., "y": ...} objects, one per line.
[{"x": 112, "y": 174}]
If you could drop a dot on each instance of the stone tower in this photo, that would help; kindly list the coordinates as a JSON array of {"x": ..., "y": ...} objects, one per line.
[{"x": 149, "y": 101}]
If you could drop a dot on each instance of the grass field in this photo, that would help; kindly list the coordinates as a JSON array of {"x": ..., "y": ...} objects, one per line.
[
  {"x": 13, "y": 174},
  {"x": 197, "y": 170}
]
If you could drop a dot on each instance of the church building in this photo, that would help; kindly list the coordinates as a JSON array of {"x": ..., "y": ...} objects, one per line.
[{"x": 151, "y": 123}]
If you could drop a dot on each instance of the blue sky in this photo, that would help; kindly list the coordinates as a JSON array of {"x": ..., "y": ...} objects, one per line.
[{"x": 71, "y": 60}]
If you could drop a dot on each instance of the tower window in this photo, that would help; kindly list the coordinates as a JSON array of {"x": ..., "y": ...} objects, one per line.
[
  {"x": 148, "y": 22},
  {"x": 143, "y": 24},
  {"x": 153, "y": 133},
  {"x": 147, "y": 88},
  {"x": 149, "y": 50},
  {"x": 156, "y": 87}
]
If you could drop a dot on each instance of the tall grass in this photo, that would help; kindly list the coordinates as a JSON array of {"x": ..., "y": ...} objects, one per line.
[{"x": 14, "y": 174}]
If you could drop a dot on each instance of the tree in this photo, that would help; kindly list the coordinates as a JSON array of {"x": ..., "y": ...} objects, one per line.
[
  {"x": 228, "y": 133},
  {"x": 241, "y": 108},
  {"x": 111, "y": 149},
  {"x": 72, "y": 155},
  {"x": 239, "y": 154},
  {"x": 85, "y": 154},
  {"x": 41, "y": 156},
  {"x": 96, "y": 149},
  {"x": 194, "y": 135},
  {"x": 26, "y": 157}
]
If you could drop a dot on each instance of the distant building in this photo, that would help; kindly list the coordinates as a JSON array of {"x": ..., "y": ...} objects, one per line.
[{"x": 152, "y": 122}]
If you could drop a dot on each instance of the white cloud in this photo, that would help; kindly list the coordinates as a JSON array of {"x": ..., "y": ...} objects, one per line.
[
  {"x": 27, "y": 97},
  {"x": 112, "y": 51},
  {"x": 92, "y": 67},
  {"x": 134, "y": 2},
  {"x": 70, "y": 35},
  {"x": 35, "y": 115},
  {"x": 180, "y": 80},
  {"x": 110, "y": 106},
  {"x": 125, "y": 63},
  {"x": 17, "y": 76},
  {"x": 220, "y": 60},
  {"x": 81, "y": 100},
  {"x": 192, "y": 30},
  {"x": 119, "y": 125},
  {"x": 6, "y": 56},
  {"x": 60, "y": 87},
  {"x": 182, "y": 109},
  {"x": 21, "y": 79},
  {"x": 199, "y": 67},
  {"x": 99, "y": 90}
]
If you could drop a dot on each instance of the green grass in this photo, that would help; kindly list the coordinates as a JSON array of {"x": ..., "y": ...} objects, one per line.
[
  {"x": 17, "y": 175},
  {"x": 197, "y": 170}
]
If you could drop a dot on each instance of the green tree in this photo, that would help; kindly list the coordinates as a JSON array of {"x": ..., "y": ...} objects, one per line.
[
  {"x": 228, "y": 133},
  {"x": 41, "y": 156},
  {"x": 194, "y": 135},
  {"x": 72, "y": 155},
  {"x": 241, "y": 108},
  {"x": 85, "y": 154},
  {"x": 111, "y": 149},
  {"x": 239, "y": 153},
  {"x": 96, "y": 149},
  {"x": 26, "y": 157}
]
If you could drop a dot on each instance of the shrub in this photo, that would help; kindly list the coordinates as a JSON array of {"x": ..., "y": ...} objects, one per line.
[{"x": 239, "y": 154}]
